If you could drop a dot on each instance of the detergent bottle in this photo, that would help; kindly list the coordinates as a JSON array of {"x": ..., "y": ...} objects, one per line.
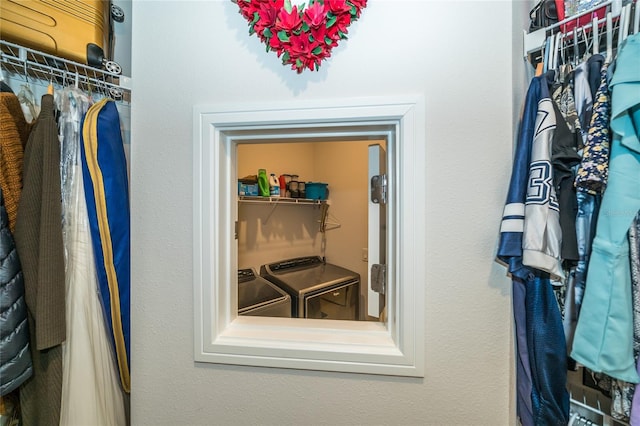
[
  {"x": 274, "y": 185},
  {"x": 263, "y": 183}
]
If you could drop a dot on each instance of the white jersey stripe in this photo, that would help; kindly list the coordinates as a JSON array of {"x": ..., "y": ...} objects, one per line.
[
  {"x": 514, "y": 209},
  {"x": 512, "y": 225}
]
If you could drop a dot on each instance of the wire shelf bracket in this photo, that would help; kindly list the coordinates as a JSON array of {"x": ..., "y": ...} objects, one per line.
[{"x": 28, "y": 64}]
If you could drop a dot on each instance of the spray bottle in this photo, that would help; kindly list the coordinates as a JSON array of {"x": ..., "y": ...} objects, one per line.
[{"x": 283, "y": 186}]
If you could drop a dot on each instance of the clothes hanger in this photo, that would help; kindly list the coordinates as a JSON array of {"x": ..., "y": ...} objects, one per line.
[
  {"x": 576, "y": 47},
  {"x": 546, "y": 54},
  {"x": 556, "y": 54},
  {"x": 552, "y": 52},
  {"x": 627, "y": 21},
  {"x": 616, "y": 7},
  {"x": 560, "y": 55},
  {"x": 594, "y": 35},
  {"x": 621, "y": 25},
  {"x": 27, "y": 98},
  {"x": 609, "y": 38},
  {"x": 550, "y": 49},
  {"x": 566, "y": 67},
  {"x": 50, "y": 86},
  {"x": 539, "y": 68},
  {"x": 559, "y": 38},
  {"x": 587, "y": 46},
  {"x": 563, "y": 51}
]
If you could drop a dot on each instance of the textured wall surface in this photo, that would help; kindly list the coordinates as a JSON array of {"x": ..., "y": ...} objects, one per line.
[{"x": 459, "y": 55}]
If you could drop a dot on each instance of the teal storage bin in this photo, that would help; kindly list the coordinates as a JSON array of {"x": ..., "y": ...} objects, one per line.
[
  {"x": 316, "y": 190},
  {"x": 248, "y": 189}
]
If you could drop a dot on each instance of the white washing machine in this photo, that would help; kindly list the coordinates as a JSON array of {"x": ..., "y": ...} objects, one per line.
[
  {"x": 259, "y": 297},
  {"x": 317, "y": 289}
]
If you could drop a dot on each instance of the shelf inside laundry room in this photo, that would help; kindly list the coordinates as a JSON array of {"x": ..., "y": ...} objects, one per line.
[{"x": 279, "y": 200}]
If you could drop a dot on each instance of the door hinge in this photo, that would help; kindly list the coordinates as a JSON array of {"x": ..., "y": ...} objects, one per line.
[
  {"x": 379, "y": 189},
  {"x": 379, "y": 278},
  {"x": 236, "y": 227}
]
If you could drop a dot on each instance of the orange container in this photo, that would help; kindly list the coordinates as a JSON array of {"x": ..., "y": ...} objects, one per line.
[{"x": 77, "y": 30}]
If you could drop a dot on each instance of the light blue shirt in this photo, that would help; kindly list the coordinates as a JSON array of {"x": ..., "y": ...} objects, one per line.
[{"x": 604, "y": 335}]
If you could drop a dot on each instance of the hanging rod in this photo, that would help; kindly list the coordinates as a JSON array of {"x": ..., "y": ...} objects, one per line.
[
  {"x": 29, "y": 63},
  {"x": 577, "y": 16},
  {"x": 533, "y": 41}
]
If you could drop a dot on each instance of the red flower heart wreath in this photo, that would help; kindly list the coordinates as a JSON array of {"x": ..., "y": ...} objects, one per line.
[{"x": 301, "y": 37}]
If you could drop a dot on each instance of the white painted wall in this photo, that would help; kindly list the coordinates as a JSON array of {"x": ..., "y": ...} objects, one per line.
[{"x": 459, "y": 55}]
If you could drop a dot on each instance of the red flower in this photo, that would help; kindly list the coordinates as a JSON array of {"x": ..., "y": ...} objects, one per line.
[
  {"x": 275, "y": 43},
  {"x": 359, "y": 4},
  {"x": 268, "y": 14},
  {"x": 343, "y": 21},
  {"x": 301, "y": 46},
  {"x": 247, "y": 8},
  {"x": 333, "y": 35},
  {"x": 301, "y": 39},
  {"x": 307, "y": 63},
  {"x": 315, "y": 15},
  {"x": 319, "y": 33},
  {"x": 289, "y": 21},
  {"x": 337, "y": 6}
]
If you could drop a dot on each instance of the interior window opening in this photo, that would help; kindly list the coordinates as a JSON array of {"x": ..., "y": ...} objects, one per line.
[
  {"x": 369, "y": 212},
  {"x": 307, "y": 222}
]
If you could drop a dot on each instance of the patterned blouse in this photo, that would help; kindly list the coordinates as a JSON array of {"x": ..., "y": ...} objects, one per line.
[{"x": 594, "y": 169}]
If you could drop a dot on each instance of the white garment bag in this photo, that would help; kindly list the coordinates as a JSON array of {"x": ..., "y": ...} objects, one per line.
[{"x": 91, "y": 392}]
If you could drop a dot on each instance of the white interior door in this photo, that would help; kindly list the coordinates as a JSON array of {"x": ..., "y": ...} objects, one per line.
[{"x": 377, "y": 231}]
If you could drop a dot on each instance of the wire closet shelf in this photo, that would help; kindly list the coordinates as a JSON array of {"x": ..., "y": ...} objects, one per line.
[
  {"x": 578, "y": 29},
  {"x": 30, "y": 64}
]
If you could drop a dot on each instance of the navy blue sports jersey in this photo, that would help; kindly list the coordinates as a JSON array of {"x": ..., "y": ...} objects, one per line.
[{"x": 542, "y": 398}]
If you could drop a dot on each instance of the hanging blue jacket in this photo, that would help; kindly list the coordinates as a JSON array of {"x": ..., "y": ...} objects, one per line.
[
  {"x": 510, "y": 248},
  {"x": 15, "y": 355},
  {"x": 542, "y": 398}
]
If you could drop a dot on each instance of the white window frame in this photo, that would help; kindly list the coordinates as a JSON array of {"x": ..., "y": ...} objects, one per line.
[{"x": 394, "y": 347}]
